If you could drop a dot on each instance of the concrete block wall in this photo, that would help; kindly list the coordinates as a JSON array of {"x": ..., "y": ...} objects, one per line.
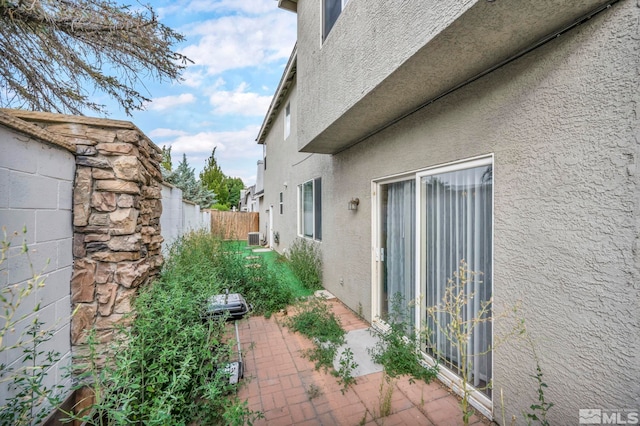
[
  {"x": 179, "y": 216},
  {"x": 171, "y": 219},
  {"x": 36, "y": 184},
  {"x": 195, "y": 218}
]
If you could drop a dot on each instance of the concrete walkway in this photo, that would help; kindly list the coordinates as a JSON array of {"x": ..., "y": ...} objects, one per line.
[{"x": 284, "y": 386}]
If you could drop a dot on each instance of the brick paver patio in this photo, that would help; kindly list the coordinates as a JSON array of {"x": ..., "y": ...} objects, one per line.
[{"x": 284, "y": 386}]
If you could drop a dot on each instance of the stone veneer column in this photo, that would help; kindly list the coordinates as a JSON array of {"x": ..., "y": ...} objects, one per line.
[{"x": 116, "y": 219}]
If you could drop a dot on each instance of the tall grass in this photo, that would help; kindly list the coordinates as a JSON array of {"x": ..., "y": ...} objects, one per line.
[
  {"x": 166, "y": 369},
  {"x": 306, "y": 263}
]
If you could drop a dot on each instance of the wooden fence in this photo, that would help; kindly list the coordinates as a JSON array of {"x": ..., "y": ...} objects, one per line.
[{"x": 234, "y": 225}]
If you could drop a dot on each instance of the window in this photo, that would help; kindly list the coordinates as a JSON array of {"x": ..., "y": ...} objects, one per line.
[
  {"x": 427, "y": 223},
  {"x": 332, "y": 9},
  {"x": 456, "y": 224},
  {"x": 310, "y": 209},
  {"x": 287, "y": 120},
  {"x": 281, "y": 203}
]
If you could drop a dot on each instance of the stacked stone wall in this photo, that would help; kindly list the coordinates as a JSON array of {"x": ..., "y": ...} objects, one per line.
[{"x": 117, "y": 239}]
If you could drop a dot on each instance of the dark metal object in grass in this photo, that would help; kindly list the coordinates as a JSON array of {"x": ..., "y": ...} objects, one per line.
[
  {"x": 232, "y": 304},
  {"x": 232, "y": 307}
]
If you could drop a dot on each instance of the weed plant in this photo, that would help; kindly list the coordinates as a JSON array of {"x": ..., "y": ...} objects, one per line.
[
  {"x": 306, "y": 263},
  {"x": 540, "y": 409},
  {"x": 385, "y": 395},
  {"x": 315, "y": 321},
  {"x": 398, "y": 348},
  {"x": 345, "y": 371}
]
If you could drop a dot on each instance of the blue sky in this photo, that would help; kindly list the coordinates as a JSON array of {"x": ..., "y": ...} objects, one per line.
[{"x": 240, "y": 49}]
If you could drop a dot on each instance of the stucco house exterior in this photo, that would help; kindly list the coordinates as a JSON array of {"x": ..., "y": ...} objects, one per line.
[{"x": 406, "y": 136}]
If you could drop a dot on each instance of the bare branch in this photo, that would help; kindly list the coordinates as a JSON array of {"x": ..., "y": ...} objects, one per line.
[{"x": 56, "y": 54}]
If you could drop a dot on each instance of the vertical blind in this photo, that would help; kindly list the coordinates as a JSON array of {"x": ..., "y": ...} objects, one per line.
[{"x": 457, "y": 223}]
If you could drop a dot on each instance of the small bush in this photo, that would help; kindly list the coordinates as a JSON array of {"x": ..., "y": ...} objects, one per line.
[
  {"x": 318, "y": 323},
  {"x": 397, "y": 349},
  {"x": 306, "y": 263}
]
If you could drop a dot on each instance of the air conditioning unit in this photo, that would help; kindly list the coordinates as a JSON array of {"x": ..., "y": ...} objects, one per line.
[{"x": 254, "y": 239}]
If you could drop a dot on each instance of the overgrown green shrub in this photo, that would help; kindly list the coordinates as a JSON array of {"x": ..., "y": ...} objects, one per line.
[
  {"x": 167, "y": 367},
  {"x": 315, "y": 321},
  {"x": 239, "y": 271},
  {"x": 306, "y": 263},
  {"x": 398, "y": 347}
]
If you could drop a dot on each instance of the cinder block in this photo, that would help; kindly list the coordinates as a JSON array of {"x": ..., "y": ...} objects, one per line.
[
  {"x": 65, "y": 195},
  {"x": 56, "y": 162},
  {"x": 53, "y": 225},
  {"x": 17, "y": 154},
  {"x": 65, "y": 253},
  {"x": 56, "y": 286},
  {"x": 43, "y": 258},
  {"x": 13, "y": 337},
  {"x": 63, "y": 306},
  {"x": 32, "y": 192},
  {"x": 4, "y": 188},
  {"x": 15, "y": 220}
]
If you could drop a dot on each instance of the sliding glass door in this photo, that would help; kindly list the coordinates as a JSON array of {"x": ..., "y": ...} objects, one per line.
[
  {"x": 456, "y": 228},
  {"x": 429, "y": 225}
]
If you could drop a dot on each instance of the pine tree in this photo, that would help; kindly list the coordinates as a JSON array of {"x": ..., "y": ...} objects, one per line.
[
  {"x": 166, "y": 165},
  {"x": 184, "y": 178},
  {"x": 214, "y": 180}
]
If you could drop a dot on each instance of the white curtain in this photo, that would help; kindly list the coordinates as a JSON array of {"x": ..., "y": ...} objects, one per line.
[
  {"x": 400, "y": 243},
  {"x": 307, "y": 209},
  {"x": 456, "y": 226}
]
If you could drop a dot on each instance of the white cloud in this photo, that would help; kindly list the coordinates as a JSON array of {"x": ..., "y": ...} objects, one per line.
[
  {"x": 233, "y": 42},
  {"x": 167, "y": 102},
  {"x": 239, "y": 144},
  {"x": 217, "y": 6},
  {"x": 166, "y": 133},
  {"x": 239, "y": 102},
  {"x": 236, "y": 151},
  {"x": 193, "y": 78},
  {"x": 246, "y": 6}
]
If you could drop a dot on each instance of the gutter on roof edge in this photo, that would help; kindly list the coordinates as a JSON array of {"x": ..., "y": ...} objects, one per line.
[{"x": 281, "y": 92}]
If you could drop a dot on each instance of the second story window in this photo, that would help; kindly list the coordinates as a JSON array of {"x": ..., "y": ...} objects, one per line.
[
  {"x": 331, "y": 11},
  {"x": 287, "y": 120}
]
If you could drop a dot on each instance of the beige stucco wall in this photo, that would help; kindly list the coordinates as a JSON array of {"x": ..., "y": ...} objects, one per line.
[
  {"x": 562, "y": 125},
  {"x": 299, "y": 168},
  {"x": 384, "y": 58}
]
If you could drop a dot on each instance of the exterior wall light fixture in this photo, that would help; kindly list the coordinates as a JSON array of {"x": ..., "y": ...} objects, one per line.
[{"x": 353, "y": 204}]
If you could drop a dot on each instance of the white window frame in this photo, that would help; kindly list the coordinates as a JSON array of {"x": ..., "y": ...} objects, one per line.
[
  {"x": 325, "y": 32},
  {"x": 317, "y": 198},
  {"x": 479, "y": 400}
]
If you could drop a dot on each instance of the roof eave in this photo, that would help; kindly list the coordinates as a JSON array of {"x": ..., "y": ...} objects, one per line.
[
  {"x": 290, "y": 5},
  {"x": 281, "y": 92}
]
